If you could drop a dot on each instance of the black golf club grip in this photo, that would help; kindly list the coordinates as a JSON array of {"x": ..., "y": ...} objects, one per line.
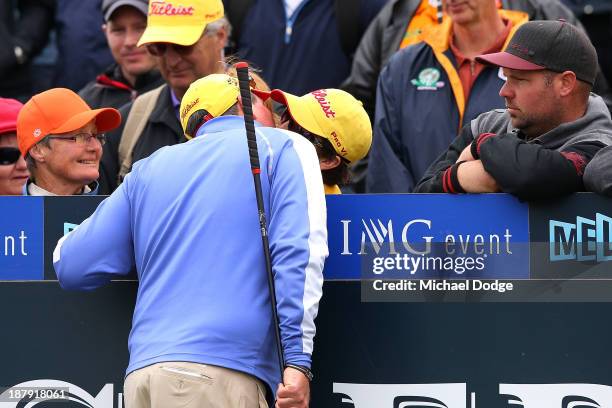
[{"x": 242, "y": 69}]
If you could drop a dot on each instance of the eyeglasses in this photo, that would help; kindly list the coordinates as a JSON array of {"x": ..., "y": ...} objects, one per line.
[
  {"x": 82, "y": 138},
  {"x": 160, "y": 49},
  {"x": 9, "y": 155}
]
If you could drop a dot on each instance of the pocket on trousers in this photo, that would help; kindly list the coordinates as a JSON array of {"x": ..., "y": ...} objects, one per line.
[
  {"x": 254, "y": 401},
  {"x": 185, "y": 374},
  {"x": 262, "y": 396},
  {"x": 173, "y": 386}
]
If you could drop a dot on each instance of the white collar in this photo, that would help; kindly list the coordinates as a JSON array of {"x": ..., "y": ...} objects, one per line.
[{"x": 35, "y": 190}]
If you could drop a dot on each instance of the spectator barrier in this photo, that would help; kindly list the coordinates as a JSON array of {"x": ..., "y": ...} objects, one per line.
[{"x": 543, "y": 343}]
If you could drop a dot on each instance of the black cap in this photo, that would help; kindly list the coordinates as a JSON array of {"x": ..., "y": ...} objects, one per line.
[
  {"x": 554, "y": 45},
  {"x": 109, "y": 6}
]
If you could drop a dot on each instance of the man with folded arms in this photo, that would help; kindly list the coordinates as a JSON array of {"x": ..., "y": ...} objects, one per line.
[{"x": 538, "y": 147}]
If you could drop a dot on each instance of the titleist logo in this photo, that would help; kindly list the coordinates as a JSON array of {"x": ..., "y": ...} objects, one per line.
[
  {"x": 321, "y": 97},
  {"x": 188, "y": 107},
  {"x": 161, "y": 8}
]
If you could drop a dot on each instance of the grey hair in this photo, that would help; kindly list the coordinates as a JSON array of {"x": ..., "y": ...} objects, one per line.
[
  {"x": 30, "y": 162},
  {"x": 214, "y": 26}
]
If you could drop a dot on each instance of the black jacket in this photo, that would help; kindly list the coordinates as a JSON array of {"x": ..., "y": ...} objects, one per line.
[
  {"x": 110, "y": 89},
  {"x": 163, "y": 129},
  {"x": 547, "y": 166},
  {"x": 30, "y": 32}
]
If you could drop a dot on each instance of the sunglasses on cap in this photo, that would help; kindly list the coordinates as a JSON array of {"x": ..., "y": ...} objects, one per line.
[
  {"x": 9, "y": 155},
  {"x": 160, "y": 49}
]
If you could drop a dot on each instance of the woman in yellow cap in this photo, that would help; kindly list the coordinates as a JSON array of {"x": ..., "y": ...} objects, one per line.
[{"x": 335, "y": 123}]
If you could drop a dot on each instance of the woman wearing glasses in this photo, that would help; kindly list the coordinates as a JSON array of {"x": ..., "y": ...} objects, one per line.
[
  {"x": 61, "y": 138},
  {"x": 13, "y": 170}
]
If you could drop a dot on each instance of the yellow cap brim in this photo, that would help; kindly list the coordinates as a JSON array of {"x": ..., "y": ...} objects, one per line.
[
  {"x": 181, "y": 35},
  {"x": 299, "y": 110}
]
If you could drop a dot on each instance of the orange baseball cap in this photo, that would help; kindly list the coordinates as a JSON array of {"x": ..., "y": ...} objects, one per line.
[
  {"x": 179, "y": 23},
  {"x": 57, "y": 111}
]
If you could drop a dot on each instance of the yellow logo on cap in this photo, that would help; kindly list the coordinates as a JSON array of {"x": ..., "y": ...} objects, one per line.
[
  {"x": 162, "y": 8},
  {"x": 338, "y": 144},
  {"x": 188, "y": 107}
]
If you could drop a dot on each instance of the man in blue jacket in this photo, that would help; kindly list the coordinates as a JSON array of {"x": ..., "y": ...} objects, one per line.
[
  {"x": 300, "y": 45},
  {"x": 186, "y": 218},
  {"x": 429, "y": 90}
]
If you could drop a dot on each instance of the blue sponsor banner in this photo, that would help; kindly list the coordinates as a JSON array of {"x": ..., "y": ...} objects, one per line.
[
  {"x": 427, "y": 236},
  {"x": 21, "y": 238}
]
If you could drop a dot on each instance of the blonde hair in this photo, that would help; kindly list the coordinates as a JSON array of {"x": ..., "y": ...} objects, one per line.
[{"x": 259, "y": 84}]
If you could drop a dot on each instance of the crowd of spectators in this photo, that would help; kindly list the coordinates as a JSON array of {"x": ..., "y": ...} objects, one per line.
[
  {"x": 466, "y": 96},
  {"x": 411, "y": 63}
]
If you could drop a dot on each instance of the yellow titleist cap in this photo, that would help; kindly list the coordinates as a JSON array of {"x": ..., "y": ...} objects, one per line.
[
  {"x": 215, "y": 93},
  {"x": 179, "y": 22},
  {"x": 333, "y": 114}
]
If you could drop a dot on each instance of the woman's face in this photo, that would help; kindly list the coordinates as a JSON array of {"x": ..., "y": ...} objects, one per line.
[{"x": 12, "y": 175}]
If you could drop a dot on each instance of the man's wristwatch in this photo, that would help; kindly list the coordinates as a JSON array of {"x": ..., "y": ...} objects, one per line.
[
  {"x": 20, "y": 55},
  {"x": 304, "y": 370}
]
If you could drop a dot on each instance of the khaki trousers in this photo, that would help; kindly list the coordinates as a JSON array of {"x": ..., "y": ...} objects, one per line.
[{"x": 192, "y": 385}]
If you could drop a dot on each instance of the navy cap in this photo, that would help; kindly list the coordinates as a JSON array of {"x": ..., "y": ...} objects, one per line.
[{"x": 109, "y": 6}]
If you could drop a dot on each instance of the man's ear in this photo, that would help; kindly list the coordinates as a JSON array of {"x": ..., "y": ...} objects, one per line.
[
  {"x": 330, "y": 163},
  {"x": 241, "y": 110},
  {"x": 37, "y": 153},
  {"x": 567, "y": 83},
  {"x": 221, "y": 38}
]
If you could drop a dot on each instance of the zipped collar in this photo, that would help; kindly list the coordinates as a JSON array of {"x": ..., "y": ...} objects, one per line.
[
  {"x": 438, "y": 36},
  {"x": 105, "y": 80},
  {"x": 113, "y": 78}
]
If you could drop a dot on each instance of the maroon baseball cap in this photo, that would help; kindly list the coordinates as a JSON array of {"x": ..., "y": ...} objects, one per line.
[
  {"x": 553, "y": 45},
  {"x": 9, "y": 109}
]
